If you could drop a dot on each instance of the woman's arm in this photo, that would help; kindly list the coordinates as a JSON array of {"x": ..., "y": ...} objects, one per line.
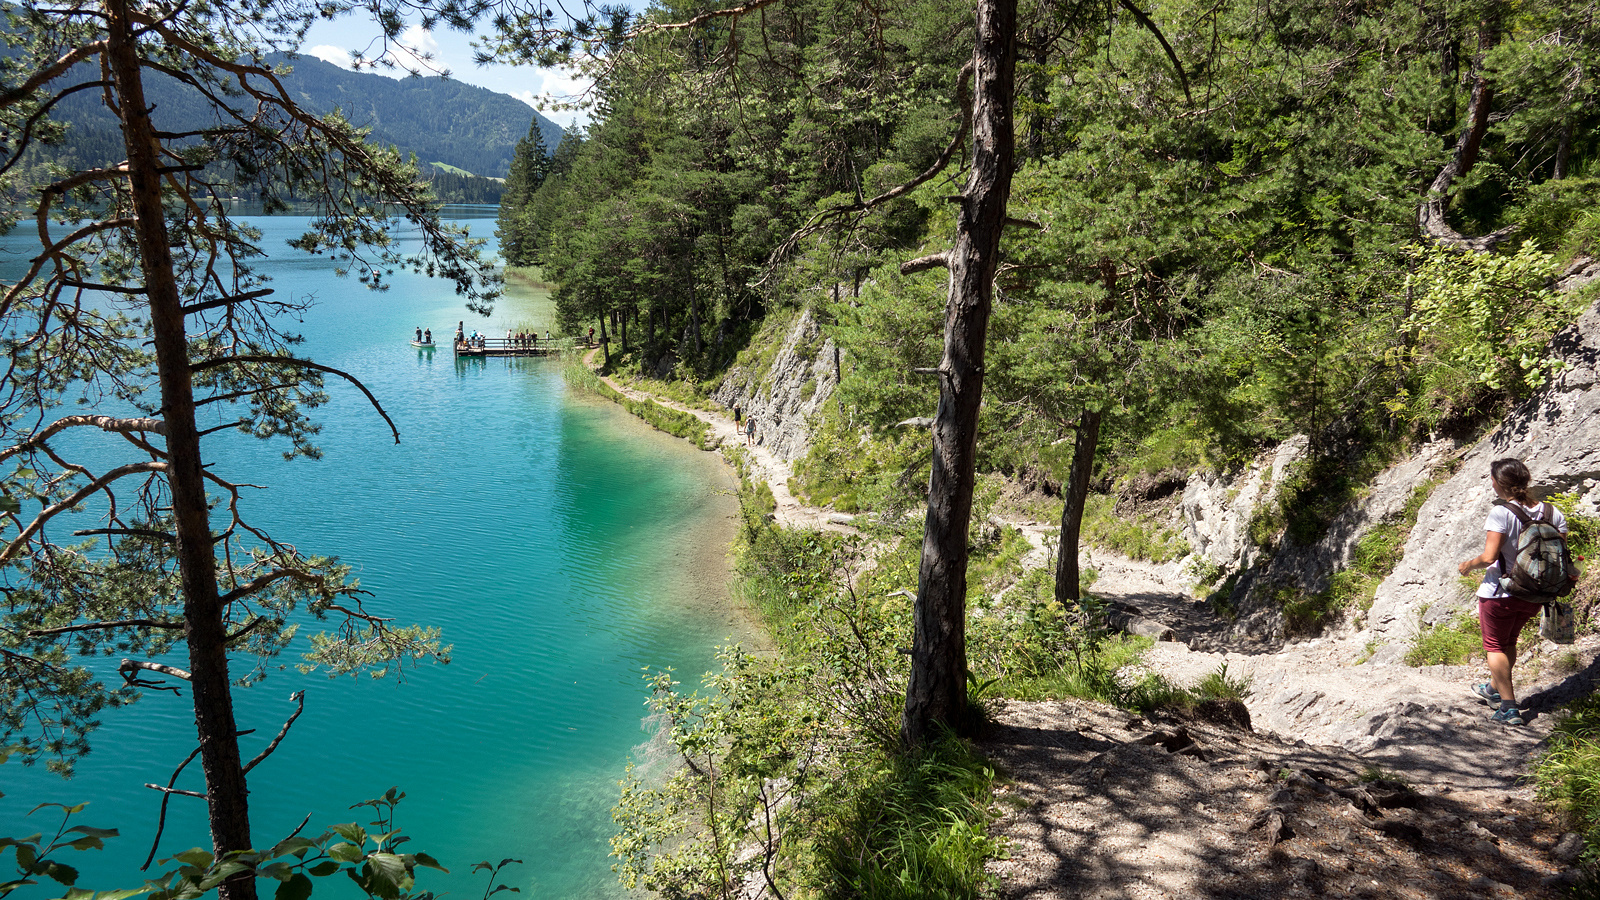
[{"x": 1491, "y": 552}]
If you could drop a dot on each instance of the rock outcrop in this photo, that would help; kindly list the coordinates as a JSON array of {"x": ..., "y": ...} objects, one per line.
[
  {"x": 785, "y": 396},
  {"x": 1556, "y": 433}
]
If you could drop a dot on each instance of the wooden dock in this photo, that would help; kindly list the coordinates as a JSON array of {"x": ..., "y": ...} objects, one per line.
[{"x": 485, "y": 347}]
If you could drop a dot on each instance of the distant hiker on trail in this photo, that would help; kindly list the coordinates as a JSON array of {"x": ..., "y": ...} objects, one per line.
[
  {"x": 591, "y": 336},
  {"x": 1500, "y": 614},
  {"x": 750, "y": 432},
  {"x": 738, "y": 419}
]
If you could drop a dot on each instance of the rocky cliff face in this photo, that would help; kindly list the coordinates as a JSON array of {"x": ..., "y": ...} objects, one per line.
[
  {"x": 784, "y": 396},
  {"x": 1556, "y": 433}
]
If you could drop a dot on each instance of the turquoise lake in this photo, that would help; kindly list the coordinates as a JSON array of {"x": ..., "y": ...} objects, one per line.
[{"x": 563, "y": 546}]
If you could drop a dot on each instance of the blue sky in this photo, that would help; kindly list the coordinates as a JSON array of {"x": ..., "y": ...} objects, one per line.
[{"x": 334, "y": 41}]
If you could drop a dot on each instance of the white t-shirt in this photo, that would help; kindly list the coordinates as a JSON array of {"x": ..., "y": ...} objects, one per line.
[{"x": 1504, "y": 521}]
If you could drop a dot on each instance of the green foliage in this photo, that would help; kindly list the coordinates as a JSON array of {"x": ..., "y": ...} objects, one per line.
[
  {"x": 1583, "y": 531},
  {"x": 915, "y": 828},
  {"x": 1137, "y": 537},
  {"x": 1219, "y": 685},
  {"x": 855, "y": 469},
  {"x": 1567, "y": 775},
  {"x": 1482, "y": 322},
  {"x": 1375, "y": 555},
  {"x": 370, "y": 860},
  {"x": 1451, "y": 642}
]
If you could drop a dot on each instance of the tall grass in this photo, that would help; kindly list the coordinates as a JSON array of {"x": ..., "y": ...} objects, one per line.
[{"x": 1568, "y": 777}]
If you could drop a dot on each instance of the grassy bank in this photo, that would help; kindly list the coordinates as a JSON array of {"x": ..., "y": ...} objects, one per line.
[{"x": 678, "y": 424}]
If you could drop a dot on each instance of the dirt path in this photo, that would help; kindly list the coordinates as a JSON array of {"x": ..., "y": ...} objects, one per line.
[
  {"x": 1109, "y": 805},
  {"x": 766, "y": 465},
  {"x": 1419, "y": 722},
  {"x": 1106, "y": 804}
]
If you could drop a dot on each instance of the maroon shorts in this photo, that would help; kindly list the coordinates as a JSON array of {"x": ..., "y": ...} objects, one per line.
[{"x": 1501, "y": 620}]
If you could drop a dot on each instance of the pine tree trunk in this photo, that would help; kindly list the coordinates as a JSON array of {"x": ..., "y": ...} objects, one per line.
[
  {"x": 204, "y": 626},
  {"x": 937, "y": 693},
  {"x": 1068, "y": 589},
  {"x": 605, "y": 342}
]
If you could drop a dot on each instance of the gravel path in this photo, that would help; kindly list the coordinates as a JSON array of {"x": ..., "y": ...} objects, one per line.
[{"x": 1104, "y": 804}]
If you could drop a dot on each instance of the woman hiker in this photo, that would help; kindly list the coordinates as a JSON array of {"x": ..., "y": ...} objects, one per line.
[{"x": 1500, "y": 615}]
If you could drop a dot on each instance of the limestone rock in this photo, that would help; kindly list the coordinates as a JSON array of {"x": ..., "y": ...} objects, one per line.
[
  {"x": 1556, "y": 433},
  {"x": 1216, "y": 509},
  {"x": 785, "y": 397}
]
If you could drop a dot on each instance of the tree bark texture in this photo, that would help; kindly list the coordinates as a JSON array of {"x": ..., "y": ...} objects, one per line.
[
  {"x": 205, "y": 629},
  {"x": 937, "y": 692},
  {"x": 1068, "y": 590}
]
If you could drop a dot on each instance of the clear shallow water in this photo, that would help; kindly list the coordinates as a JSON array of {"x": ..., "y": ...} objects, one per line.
[{"x": 561, "y": 545}]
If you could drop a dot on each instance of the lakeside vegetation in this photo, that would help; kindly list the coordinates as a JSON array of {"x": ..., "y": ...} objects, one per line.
[
  {"x": 1223, "y": 226},
  {"x": 1266, "y": 222}
]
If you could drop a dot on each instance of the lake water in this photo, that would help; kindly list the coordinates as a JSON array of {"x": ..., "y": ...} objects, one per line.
[{"x": 563, "y": 546}]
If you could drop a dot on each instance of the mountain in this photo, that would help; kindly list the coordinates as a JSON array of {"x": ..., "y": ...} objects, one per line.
[{"x": 440, "y": 120}]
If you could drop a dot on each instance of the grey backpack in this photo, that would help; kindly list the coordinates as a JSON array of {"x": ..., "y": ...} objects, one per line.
[{"x": 1541, "y": 567}]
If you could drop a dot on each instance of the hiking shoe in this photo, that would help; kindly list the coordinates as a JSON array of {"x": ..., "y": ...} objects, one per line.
[
  {"x": 1510, "y": 716},
  {"x": 1486, "y": 693}
]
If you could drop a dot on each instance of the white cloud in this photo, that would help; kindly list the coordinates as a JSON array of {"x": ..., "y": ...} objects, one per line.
[
  {"x": 419, "y": 41},
  {"x": 556, "y": 90},
  {"x": 331, "y": 54}
]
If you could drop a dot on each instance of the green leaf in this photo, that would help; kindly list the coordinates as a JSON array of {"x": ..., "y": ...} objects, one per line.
[
  {"x": 294, "y": 845},
  {"x": 352, "y": 832},
  {"x": 278, "y": 870},
  {"x": 388, "y": 867},
  {"x": 424, "y": 859},
  {"x": 222, "y": 873},
  {"x": 86, "y": 843},
  {"x": 59, "y": 873},
  {"x": 196, "y": 857},
  {"x": 325, "y": 868},
  {"x": 298, "y": 887},
  {"x": 93, "y": 832},
  {"x": 347, "y": 853}
]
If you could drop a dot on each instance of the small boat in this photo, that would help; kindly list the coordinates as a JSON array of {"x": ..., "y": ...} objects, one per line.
[{"x": 426, "y": 345}]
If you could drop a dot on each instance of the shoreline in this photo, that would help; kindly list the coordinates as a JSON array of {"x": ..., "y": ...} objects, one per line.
[{"x": 765, "y": 466}]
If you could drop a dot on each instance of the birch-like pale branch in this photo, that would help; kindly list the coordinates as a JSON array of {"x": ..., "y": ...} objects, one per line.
[
  {"x": 99, "y": 484},
  {"x": 104, "y": 423}
]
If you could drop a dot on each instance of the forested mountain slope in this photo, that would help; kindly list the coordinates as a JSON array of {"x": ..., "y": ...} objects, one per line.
[{"x": 438, "y": 119}]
